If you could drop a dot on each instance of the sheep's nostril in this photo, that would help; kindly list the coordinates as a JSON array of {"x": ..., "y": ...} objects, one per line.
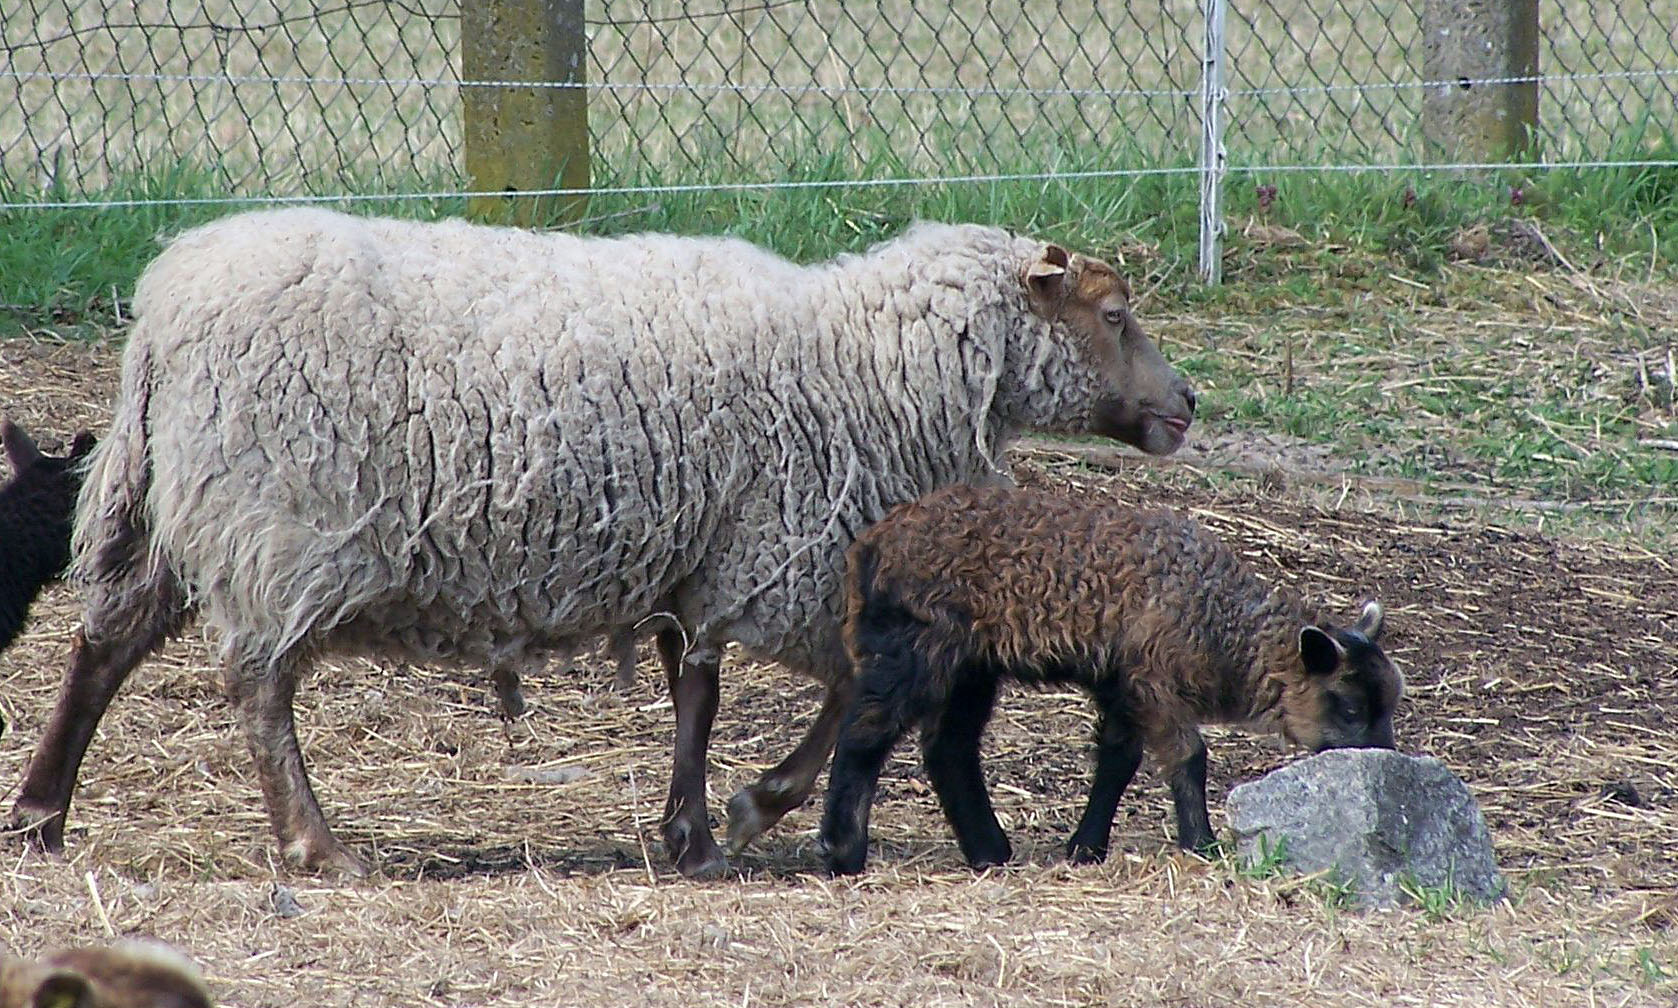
[{"x": 1188, "y": 396}]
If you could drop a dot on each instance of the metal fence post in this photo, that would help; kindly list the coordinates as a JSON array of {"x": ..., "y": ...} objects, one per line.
[
  {"x": 520, "y": 139},
  {"x": 1465, "y": 44},
  {"x": 1212, "y": 155}
]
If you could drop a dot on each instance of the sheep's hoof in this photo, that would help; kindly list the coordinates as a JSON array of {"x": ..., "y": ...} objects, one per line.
[
  {"x": 706, "y": 870},
  {"x": 40, "y": 827},
  {"x": 699, "y": 860},
  {"x": 327, "y": 857},
  {"x": 745, "y": 821}
]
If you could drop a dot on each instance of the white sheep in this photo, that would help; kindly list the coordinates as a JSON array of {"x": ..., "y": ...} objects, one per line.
[{"x": 448, "y": 442}]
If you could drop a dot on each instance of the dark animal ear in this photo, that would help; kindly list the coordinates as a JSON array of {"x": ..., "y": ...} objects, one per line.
[
  {"x": 62, "y": 989},
  {"x": 1321, "y": 653},
  {"x": 1046, "y": 275},
  {"x": 1369, "y": 624},
  {"x": 83, "y": 444},
  {"x": 20, "y": 448}
]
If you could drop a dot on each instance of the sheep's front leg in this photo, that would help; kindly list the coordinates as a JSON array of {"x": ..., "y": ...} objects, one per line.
[
  {"x": 1188, "y": 793},
  {"x": 694, "y": 691},
  {"x": 790, "y": 783},
  {"x": 263, "y": 692},
  {"x": 950, "y": 748},
  {"x": 1118, "y": 753}
]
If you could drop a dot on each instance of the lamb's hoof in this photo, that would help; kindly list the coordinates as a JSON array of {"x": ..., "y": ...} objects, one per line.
[
  {"x": 1083, "y": 854},
  {"x": 745, "y": 821},
  {"x": 844, "y": 857},
  {"x": 992, "y": 857},
  {"x": 40, "y": 827},
  {"x": 327, "y": 857}
]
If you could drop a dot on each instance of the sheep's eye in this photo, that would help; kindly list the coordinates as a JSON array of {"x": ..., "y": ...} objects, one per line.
[
  {"x": 1348, "y": 709},
  {"x": 1114, "y": 316}
]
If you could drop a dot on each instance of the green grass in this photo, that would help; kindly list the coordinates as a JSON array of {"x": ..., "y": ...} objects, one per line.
[{"x": 1527, "y": 380}]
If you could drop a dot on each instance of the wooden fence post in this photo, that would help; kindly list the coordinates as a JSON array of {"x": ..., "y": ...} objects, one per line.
[
  {"x": 520, "y": 139},
  {"x": 1466, "y": 41}
]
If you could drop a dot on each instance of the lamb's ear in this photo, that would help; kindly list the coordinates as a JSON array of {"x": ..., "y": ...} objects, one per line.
[
  {"x": 1369, "y": 624},
  {"x": 62, "y": 989},
  {"x": 1046, "y": 275},
  {"x": 1321, "y": 653},
  {"x": 20, "y": 447},
  {"x": 83, "y": 444}
]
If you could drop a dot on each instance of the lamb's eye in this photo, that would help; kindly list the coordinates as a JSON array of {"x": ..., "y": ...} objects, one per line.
[
  {"x": 1349, "y": 709},
  {"x": 1114, "y": 316}
]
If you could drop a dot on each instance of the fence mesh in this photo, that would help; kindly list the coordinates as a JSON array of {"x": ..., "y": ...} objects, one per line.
[{"x": 290, "y": 97}]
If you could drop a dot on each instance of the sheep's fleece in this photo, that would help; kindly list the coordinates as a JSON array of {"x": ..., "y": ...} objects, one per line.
[{"x": 455, "y": 442}]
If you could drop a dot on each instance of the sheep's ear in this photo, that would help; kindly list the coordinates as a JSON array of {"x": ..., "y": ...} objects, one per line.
[
  {"x": 20, "y": 447},
  {"x": 62, "y": 989},
  {"x": 1321, "y": 653},
  {"x": 1046, "y": 275},
  {"x": 1369, "y": 624}
]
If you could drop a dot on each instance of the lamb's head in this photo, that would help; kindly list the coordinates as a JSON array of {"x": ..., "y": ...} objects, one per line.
[
  {"x": 1102, "y": 375},
  {"x": 29, "y": 466},
  {"x": 1343, "y": 692}
]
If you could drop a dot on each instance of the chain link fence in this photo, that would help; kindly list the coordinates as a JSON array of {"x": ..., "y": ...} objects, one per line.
[{"x": 292, "y": 97}]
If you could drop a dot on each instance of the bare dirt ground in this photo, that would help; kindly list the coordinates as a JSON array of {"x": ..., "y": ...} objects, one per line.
[{"x": 520, "y": 864}]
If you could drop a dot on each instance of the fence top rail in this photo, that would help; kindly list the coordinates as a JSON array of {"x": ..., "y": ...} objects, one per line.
[
  {"x": 832, "y": 89},
  {"x": 695, "y": 187}
]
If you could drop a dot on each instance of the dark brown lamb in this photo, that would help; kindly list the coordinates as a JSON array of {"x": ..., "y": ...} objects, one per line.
[
  {"x": 1146, "y": 610},
  {"x": 36, "y": 509}
]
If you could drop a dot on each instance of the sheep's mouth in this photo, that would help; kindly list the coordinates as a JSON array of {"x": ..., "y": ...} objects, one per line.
[
  {"x": 1152, "y": 430},
  {"x": 1178, "y": 424}
]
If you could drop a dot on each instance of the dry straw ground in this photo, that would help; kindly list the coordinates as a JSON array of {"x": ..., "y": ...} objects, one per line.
[{"x": 520, "y": 863}]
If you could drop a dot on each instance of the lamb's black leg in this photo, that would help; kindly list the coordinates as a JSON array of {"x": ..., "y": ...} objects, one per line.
[
  {"x": 864, "y": 744},
  {"x": 1188, "y": 793},
  {"x": 1118, "y": 753},
  {"x": 950, "y": 748},
  {"x": 886, "y": 704}
]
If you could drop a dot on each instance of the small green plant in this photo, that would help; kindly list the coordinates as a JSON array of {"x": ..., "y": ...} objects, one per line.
[
  {"x": 1649, "y": 968},
  {"x": 1271, "y": 861},
  {"x": 1438, "y": 902}
]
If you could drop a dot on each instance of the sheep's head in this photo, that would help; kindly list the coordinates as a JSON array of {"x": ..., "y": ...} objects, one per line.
[
  {"x": 1347, "y": 689},
  {"x": 1116, "y": 384}
]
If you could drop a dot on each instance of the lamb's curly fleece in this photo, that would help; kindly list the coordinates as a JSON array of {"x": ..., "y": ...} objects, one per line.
[{"x": 444, "y": 441}]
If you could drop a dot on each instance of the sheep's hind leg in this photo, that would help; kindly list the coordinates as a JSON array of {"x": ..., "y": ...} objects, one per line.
[
  {"x": 263, "y": 691},
  {"x": 128, "y": 625},
  {"x": 96, "y": 672},
  {"x": 790, "y": 783},
  {"x": 693, "y": 680},
  {"x": 869, "y": 733},
  {"x": 950, "y": 749}
]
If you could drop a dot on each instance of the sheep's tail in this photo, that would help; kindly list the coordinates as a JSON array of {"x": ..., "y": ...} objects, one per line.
[{"x": 129, "y": 587}]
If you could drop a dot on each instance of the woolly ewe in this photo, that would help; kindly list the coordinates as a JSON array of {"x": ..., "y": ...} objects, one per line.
[{"x": 447, "y": 442}]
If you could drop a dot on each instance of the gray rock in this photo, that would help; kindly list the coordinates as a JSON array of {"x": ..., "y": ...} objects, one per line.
[{"x": 1378, "y": 818}]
